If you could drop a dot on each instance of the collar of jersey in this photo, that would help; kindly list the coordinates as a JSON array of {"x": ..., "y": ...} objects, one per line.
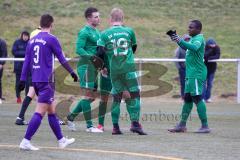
[
  {"x": 88, "y": 26},
  {"x": 117, "y": 26},
  {"x": 198, "y": 35}
]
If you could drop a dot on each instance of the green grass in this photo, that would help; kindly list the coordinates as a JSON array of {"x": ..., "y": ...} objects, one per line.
[
  {"x": 151, "y": 19},
  {"x": 157, "y": 117}
]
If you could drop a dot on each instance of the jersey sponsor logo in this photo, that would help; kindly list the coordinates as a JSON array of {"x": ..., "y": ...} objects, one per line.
[
  {"x": 121, "y": 34},
  {"x": 36, "y": 67},
  {"x": 51, "y": 99},
  {"x": 40, "y": 41}
]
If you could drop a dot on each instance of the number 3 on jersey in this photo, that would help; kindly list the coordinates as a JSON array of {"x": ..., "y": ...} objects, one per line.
[
  {"x": 120, "y": 47},
  {"x": 36, "y": 54}
]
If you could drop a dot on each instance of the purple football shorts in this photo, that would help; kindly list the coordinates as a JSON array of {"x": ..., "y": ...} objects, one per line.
[{"x": 44, "y": 91}]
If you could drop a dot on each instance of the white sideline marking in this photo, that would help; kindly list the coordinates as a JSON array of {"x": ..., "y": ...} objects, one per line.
[{"x": 101, "y": 151}]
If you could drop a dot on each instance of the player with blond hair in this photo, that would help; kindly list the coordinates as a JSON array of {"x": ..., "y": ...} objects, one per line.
[{"x": 118, "y": 42}]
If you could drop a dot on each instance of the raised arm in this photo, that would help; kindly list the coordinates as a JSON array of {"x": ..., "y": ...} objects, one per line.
[{"x": 190, "y": 46}]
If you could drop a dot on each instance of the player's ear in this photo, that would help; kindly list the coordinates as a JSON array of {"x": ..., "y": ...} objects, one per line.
[{"x": 89, "y": 18}]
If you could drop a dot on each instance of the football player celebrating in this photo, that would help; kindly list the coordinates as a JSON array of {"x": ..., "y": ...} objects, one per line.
[{"x": 196, "y": 73}]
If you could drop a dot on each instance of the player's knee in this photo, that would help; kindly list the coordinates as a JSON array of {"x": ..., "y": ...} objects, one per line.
[
  {"x": 51, "y": 111},
  {"x": 89, "y": 95},
  {"x": 187, "y": 98},
  {"x": 135, "y": 94},
  {"x": 126, "y": 95},
  {"x": 31, "y": 93},
  {"x": 104, "y": 98},
  {"x": 117, "y": 97},
  {"x": 197, "y": 99},
  {"x": 89, "y": 92},
  {"x": 42, "y": 113}
]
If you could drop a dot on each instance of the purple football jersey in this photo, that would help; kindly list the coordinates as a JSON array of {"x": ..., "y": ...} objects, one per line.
[{"x": 39, "y": 57}]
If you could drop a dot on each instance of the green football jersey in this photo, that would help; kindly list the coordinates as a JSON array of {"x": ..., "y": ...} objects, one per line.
[
  {"x": 86, "y": 44},
  {"x": 195, "y": 67},
  {"x": 118, "y": 41}
]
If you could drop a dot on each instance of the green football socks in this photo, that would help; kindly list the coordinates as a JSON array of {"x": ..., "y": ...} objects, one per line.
[
  {"x": 186, "y": 110},
  {"x": 201, "y": 109},
  {"x": 87, "y": 112},
  {"x": 133, "y": 108},
  {"x": 102, "y": 112},
  {"x": 76, "y": 110},
  {"x": 115, "y": 112}
]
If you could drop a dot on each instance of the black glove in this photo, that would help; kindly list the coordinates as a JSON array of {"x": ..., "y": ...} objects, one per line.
[
  {"x": 175, "y": 38},
  {"x": 171, "y": 33},
  {"x": 21, "y": 85},
  {"x": 97, "y": 62},
  {"x": 74, "y": 76}
]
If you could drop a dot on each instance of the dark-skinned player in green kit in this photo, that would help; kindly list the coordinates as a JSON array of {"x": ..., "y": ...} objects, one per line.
[{"x": 196, "y": 73}]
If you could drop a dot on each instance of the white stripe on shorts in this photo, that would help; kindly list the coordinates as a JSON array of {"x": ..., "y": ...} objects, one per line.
[
  {"x": 53, "y": 65},
  {"x": 86, "y": 73},
  {"x": 196, "y": 85}
]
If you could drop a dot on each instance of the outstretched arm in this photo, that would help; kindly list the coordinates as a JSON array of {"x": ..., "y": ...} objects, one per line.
[
  {"x": 193, "y": 46},
  {"x": 190, "y": 46}
]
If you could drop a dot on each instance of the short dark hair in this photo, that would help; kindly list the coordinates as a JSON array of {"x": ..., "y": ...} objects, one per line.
[
  {"x": 198, "y": 24},
  {"x": 46, "y": 21},
  {"x": 89, "y": 11},
  {"x": 25, "y": 33}
]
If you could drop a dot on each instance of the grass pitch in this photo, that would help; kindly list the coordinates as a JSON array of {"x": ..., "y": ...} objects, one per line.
[{"x": 157, "y": 116}]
